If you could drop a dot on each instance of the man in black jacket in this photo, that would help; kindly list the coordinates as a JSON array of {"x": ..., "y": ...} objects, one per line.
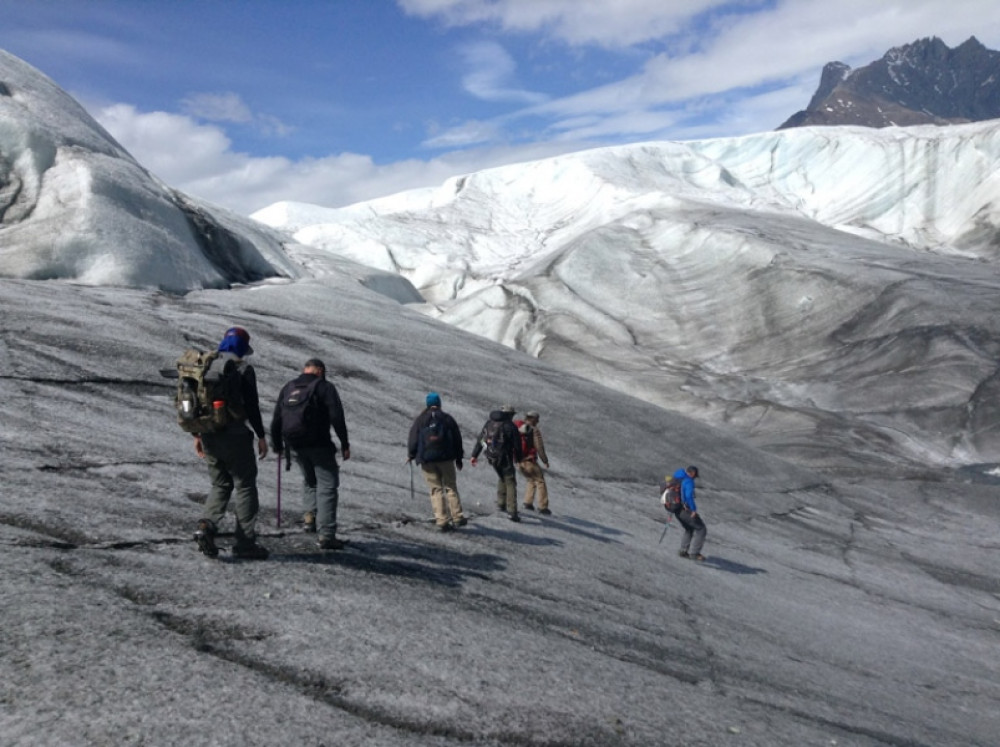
[
  {"x": 435, "y": 442},
  {"x": 502, "y": 442},
  {"x": 307, "y": 408}
]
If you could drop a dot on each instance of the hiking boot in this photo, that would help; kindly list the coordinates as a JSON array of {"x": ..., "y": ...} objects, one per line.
[
  {"x": 205, "y": 537},
  {"x": 249, "y": 550},
  {"x": 684, "y": 554},
  {"x": 309, "y": 522},
  {"x": 513, "y": 517},
  {"x": 447, "y": 527},
  {"x": 330, "y": 543},
  {"x": 461, "y": 522},
  {"x": 544, "y": 512},
  {"x": 529, "y": 507},
  {"x": 699, "y": 557}
]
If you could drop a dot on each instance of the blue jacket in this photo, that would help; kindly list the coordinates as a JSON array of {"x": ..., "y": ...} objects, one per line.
[{"x": 687, "y": 489}]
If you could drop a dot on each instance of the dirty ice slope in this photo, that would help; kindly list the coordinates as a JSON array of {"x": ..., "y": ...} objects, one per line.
[
  {"x": 816, "y": 288},
  {"x": 826, "y": 613},
  {"x": 75, "y": 205}
]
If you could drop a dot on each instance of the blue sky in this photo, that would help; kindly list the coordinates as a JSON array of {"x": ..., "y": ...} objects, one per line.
[{"x": 245, "y": 103}]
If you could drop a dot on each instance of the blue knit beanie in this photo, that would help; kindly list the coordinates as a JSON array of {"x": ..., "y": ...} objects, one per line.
[{"x": 433, "y": 399}]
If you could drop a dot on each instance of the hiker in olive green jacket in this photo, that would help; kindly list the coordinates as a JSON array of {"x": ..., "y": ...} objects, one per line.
[{"x": 232, "y": 466}]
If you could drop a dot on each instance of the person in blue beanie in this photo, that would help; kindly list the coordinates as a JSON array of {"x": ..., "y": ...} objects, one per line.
[
  {"x": 229, "y": 455},
  {"x": 694, "y": 528},
  {"x": 435, "y": 442}
]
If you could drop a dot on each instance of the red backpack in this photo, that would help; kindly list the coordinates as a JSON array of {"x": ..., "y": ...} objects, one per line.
[{"x": 528, "y": 449}]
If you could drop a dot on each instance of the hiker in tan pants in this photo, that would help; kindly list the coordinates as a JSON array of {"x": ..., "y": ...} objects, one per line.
[{"x": 534, "y": 451}]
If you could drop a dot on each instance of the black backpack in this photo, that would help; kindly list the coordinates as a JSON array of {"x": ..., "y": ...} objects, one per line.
[
  {"x": 300, "y": 420},
  {"x": 670, "y": 494},
  {"x": 495, "y": 440},
  {"x": 434, "y": 445},
  {"x": 209, "y": 393}
]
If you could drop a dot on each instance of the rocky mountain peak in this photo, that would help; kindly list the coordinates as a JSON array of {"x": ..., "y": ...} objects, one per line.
[{"x": 925, "y": 82}]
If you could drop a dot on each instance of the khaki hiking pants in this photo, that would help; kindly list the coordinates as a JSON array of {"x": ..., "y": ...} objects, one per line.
[
  {"x": 442, "y": 479},
  {"x": 535, "y": 484}
]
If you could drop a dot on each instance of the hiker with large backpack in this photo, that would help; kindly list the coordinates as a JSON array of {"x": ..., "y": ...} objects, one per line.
[
  {"x": 216, "y": 400},
  {"x": 533, "y": 448},
  {"x": 435, "y": 443},
  {"x": 502, "y": 444},
  {"x": 687, "y": 514},
  {"x": 307, "y": 408}
]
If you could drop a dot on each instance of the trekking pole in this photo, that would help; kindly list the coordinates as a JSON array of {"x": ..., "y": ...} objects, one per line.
[
  {"x": 279, "y": 490},
  {"x": 666, "y": 526},
  {"x": 411, "y": 481}
]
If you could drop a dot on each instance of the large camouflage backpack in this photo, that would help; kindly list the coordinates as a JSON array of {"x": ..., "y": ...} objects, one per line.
[
  {"x": 209, "y": 392},
  {"x": 495, "y": 440}
]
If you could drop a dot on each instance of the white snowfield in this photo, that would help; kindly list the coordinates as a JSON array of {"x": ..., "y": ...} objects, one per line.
[
  {"x": 778, "y": 283},
  {"x": 850, "y": 594}
]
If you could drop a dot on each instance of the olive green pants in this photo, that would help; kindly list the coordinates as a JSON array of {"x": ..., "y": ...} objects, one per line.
[
  {"x": 506, "y": 487},
  {"x": 232, "y": 467}
]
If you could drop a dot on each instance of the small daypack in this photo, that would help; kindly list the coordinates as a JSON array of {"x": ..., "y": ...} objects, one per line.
[
  {"x": 434, "y": 444},
  {"x": 495, "y": 440},
  {"x": 300, "y": 421},
  {"x": 527, "y": 439},
  {"x": 209, "y": 391},
  {"x": 670, "y": 494}
]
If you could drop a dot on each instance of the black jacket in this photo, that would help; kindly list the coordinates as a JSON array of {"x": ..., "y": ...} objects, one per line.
[
  {"x": 511, "y": 438},
  {"x": 414, "y": 449},
  {"x": 329, "y": 413}
]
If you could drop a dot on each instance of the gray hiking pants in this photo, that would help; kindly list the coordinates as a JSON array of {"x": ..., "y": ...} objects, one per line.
[
  {"x": 320, "y": 486},
  {"x": 694, "y": 532},
  {"x": 232, "y": 466}
]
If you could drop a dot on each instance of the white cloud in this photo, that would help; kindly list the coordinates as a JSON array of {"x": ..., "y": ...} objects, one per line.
[
  {"x": 491, "y": 68},
  {"x": 621, "y": 23},
  {"x": 470, "y": 132},
  {"x": 230, "y": 107},
  {"x": 217, "y": 107},
  {"x": 740, "y": 64},
  {"x": 198, "y": 159}
]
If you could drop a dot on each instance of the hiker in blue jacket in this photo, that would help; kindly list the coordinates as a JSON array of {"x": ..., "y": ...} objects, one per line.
[{"x": 688, "y": 516}]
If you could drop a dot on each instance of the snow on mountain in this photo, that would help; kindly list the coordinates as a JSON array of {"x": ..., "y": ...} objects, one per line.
[
  {"x": 74, "y": 205},
  {"x": 809, "y": 287}
]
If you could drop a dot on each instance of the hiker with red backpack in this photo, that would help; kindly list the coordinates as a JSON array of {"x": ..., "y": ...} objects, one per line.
[
  {"x": 435, "y": 442},
  {"x": 681, "y": 486},
  {"x": 502, "y": 442},
  {"x": 307, "y": 408},
  {"x": 227, "y": 447},
  {"x": 533, "y": 448}
]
